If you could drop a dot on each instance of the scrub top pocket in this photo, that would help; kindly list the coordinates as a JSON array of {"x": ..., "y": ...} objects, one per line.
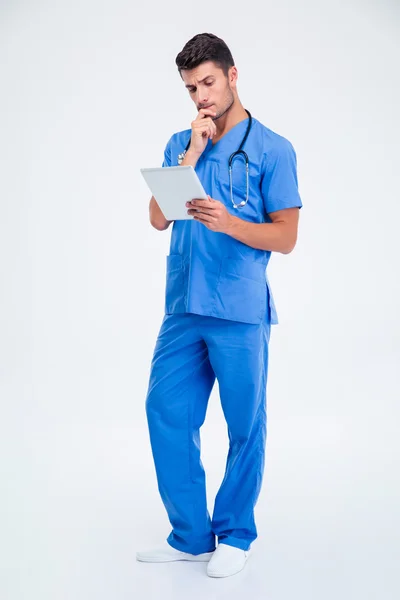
[
  {"x": 238, "y": 179},
  {"x": 253, "y": 210},
  {"x": 175, "y": 294},
  {"x": 241, "y": 291}
]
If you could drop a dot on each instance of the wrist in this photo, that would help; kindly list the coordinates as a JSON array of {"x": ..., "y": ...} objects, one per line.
[
  {"x": 191, "y": 158},
  {"x": 231, "y": 225}
]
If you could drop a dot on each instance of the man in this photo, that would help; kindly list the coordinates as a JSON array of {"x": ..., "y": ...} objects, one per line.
[{"x": 218, "y": 312}]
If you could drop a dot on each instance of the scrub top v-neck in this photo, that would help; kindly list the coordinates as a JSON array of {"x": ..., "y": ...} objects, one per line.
[{"x": 211, "y": 273}]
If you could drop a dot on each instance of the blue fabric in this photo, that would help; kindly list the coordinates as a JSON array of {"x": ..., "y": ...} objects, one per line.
[
  {"x": 210, "y": 273},
  {"x": 191, "y": 351}
]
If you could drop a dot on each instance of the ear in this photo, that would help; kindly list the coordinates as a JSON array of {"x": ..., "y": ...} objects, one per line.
[{"x": 233, "y": 76}]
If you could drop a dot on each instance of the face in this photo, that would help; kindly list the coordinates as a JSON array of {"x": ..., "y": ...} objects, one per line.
[{"x": 209, "y": 87}]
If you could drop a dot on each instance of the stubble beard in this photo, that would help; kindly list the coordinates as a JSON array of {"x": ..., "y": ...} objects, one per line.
[{"x": 230, "y": 103}]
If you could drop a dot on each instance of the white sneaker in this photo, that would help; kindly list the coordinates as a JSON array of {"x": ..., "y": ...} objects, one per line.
[
  {"x": 167, "y": 553},
  {"x": 226, "y": 561}
]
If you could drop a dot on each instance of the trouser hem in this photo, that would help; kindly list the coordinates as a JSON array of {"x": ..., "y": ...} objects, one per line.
[
  {"x": 191, "y": 548},
  {"x": 235, "y": 542}
]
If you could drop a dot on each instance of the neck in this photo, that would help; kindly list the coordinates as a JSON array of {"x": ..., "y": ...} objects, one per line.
[{"x": 233, "y": 115}]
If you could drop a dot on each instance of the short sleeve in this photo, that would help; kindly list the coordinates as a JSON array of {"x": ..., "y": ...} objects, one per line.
[
  {"x": 279, "y": 186},
  {"x": 167, "y": 155}
]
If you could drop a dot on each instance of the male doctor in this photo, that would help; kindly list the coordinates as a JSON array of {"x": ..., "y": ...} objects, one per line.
[{"x": 218, "y": 312}]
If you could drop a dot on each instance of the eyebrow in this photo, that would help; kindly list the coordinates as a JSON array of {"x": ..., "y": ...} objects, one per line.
[{"x": 201, "y": 81}]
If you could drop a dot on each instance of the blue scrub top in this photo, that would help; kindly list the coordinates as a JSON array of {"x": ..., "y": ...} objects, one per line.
[{"x": 211, "y": 273}]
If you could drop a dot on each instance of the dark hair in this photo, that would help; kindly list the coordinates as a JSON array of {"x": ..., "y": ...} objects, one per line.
[{"x": 204, "y": 47}]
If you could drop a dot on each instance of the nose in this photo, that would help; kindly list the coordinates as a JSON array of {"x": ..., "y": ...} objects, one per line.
[{"x": 202, "y": 100}]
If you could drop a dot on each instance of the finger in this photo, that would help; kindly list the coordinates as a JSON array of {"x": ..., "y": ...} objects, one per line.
[
  {"x": 205, "y": 112},
  {"x": 204, "y": 217},
  {"x": 201, "y": 131},
  {"x": 204, "y": 125},
  {"x": 204, "y": 129},
  {"x": 203, "y": 203},
  {"x": 203, "y": 211},
  {"x": 203, "y": 122},
  {"x": 212, "y": 125}
]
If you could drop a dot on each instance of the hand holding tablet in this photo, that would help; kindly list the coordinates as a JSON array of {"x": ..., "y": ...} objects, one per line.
[{"x": 172, "y": 187}]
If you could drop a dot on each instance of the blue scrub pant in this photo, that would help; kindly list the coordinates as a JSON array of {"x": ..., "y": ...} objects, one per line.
[{"x": 190, "y": 352}]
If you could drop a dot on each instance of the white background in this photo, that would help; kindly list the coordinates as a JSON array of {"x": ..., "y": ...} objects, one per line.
[{"x": 89, "y": 93}]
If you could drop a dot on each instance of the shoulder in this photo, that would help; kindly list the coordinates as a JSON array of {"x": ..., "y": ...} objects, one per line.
[
  {"x": 273, "y": 143},
  {"x": 179, "y": 138},
  {"x": 176, "y": 145},
  {"x": 275, "y": 149}
]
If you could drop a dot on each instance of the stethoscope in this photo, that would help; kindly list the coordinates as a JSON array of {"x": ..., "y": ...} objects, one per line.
[{"x": 234, "y": 155}]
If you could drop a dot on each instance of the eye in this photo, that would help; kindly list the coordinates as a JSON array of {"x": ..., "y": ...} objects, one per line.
[{"x": 209, "y": 83}]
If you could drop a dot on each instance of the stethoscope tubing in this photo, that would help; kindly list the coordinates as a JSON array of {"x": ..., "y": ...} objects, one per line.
[{"x": 239, "y": 152}]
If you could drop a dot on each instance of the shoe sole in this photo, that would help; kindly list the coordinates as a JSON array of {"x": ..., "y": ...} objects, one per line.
[
  {"x": 159, "y": 559},
  {"x": 229, "y": 574},
  {"x": 224, "y": 574}
]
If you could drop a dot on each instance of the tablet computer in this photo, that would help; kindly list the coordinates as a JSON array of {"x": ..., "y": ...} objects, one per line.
[{"x": 172, "y": 187}]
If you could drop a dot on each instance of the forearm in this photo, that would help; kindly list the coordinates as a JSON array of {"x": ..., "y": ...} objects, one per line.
[
  {"x": 157, "y": 219},
  {"x": 276, "y": 237}
]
